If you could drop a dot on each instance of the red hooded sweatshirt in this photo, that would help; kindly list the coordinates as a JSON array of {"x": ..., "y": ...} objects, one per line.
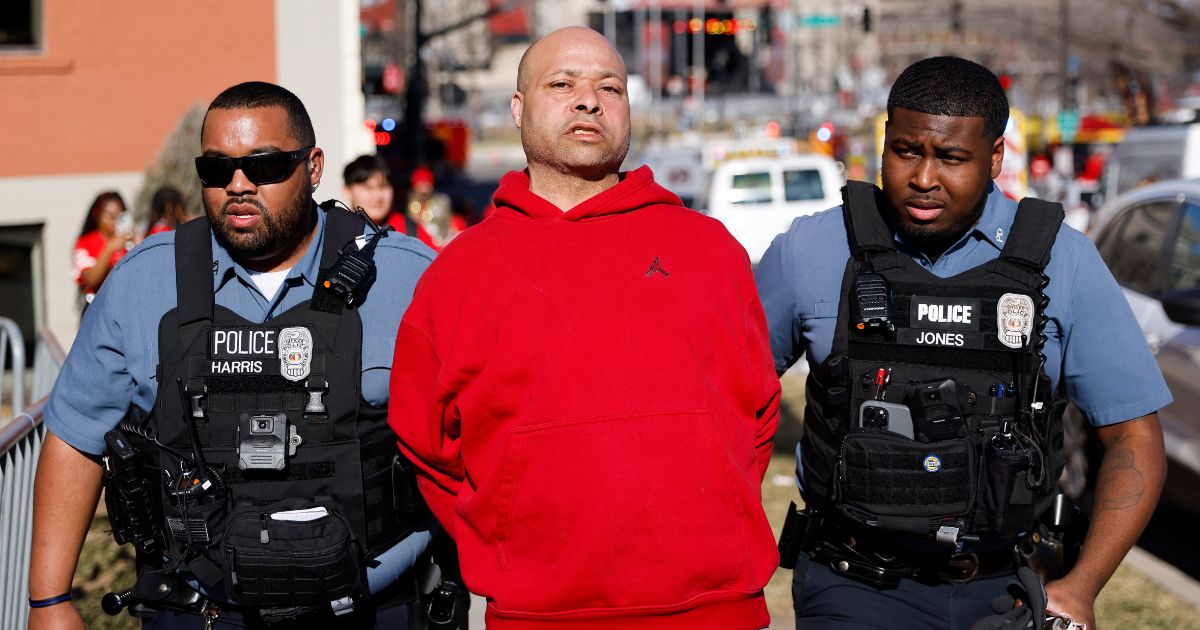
[{"x": 590, "y": 401}]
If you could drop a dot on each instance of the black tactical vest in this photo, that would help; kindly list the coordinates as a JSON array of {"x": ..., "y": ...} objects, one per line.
[
  {"x": 932, "y": 421},
  {"x": 303, "y": 483}
]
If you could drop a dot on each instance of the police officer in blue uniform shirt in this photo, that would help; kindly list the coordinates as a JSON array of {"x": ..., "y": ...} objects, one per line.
[
  {"x": 248, "y": 296},
  {"x": 907, "y": 302}
]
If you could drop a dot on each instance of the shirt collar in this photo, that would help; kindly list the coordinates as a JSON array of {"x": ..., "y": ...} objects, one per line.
[
  {"x": 307, "y": 268},
  {"x": 995, "y": 223},
  {"x": 992, "y": 227}
]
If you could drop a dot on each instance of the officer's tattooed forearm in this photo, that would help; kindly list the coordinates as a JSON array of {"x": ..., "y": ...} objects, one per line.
[{"x": 1120, "y": 482}]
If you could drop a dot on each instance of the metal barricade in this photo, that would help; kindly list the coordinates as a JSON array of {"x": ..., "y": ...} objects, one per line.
[
  {"x": 10, "y": 336},
  {"x": 48, "y": 359},
  {"x": 20, "y": 445}
]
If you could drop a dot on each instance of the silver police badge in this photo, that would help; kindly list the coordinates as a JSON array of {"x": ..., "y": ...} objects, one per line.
[
  {"x": 295, "y": 353},
  {"x": 1014, "y": 319}
]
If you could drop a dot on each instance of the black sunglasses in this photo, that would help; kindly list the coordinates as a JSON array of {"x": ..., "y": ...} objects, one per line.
[{"x": 260, "y": 168}]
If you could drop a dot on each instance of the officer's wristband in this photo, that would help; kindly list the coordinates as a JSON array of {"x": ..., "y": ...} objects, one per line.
[{"x": 50, "y": 601}]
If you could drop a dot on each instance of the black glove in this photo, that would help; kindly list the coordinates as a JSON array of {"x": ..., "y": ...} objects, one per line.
[{"x": 1031, "y": 615}]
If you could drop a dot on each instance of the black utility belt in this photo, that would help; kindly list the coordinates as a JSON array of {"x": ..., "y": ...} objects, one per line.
[
  {"x": 880, "y": 563},
  {"x": 156, "y": 591},
  {"x": 885, "y": 571}
]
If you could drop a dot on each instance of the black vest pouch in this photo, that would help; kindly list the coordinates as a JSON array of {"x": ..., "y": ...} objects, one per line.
[
  {"x": 888, "y": 475},
  {"x": 1005, "y": 499},
  {"x": 296, "y": 550}
]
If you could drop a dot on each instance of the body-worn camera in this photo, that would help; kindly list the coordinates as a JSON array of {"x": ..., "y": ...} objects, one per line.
[
  {"x": 263, "y": 441},
  {"x": 894, "y": 417},
  {"x": 936, "y": 411}
]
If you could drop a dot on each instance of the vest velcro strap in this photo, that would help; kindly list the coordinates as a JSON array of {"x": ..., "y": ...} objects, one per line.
[
  {"x": 323, "y": 300},
  {"x": 1033, "y": 233},
  {"x": 295, "y": 472},
  {"x": 316, "y": 375},
  {"x": 888, "y": 260},
  {"x": 315, "y": 432},
  {"x": 865, "y": 227}
]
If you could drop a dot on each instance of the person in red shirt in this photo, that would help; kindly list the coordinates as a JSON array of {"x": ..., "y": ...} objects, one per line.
[
  {"x": 368, "y": 186},
  {"x": 584, "y": 383},
  {"x": 167, "y": 210},
  {"x": 102, "y": 242},
  {"x": 430, "y": 209}
]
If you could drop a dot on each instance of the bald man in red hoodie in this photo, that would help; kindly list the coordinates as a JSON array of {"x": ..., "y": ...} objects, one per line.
[{"x": 585, "y": 384}]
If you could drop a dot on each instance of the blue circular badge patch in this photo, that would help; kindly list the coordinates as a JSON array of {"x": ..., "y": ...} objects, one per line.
[{"x": 933, "y": 463}]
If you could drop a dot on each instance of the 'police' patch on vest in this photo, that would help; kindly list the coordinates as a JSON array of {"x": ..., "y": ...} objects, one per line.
[
  {"x": 1014, "y": 319},
  {"x": 941, "y": 338},
  {"x": 242, "y": 343},
  {"x": 295, "y": 353},
  {"x": 932, "y": 463},
  {"x": 943, "y": 313}
]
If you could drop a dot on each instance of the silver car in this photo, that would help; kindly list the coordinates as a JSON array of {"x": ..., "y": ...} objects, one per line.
[{"x": 1150, "y": 239}]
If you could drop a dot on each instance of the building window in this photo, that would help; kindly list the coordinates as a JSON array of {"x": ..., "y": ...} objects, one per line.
[{"x": 21, "y": 25}]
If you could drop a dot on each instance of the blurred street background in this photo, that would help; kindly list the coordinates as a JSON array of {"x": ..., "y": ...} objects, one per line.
[{"x": 752, "y": 111}]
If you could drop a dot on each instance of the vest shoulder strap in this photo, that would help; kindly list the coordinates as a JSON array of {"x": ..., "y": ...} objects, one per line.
[
  {"x": 1033, "y": 233},
  {"x": 866, "y": 230},
  {"x": 341, "y": 227},
  {"x": 193, "y": 270}
]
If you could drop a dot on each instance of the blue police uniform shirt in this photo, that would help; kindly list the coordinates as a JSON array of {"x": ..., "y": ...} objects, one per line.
[
  {"x": 113, "y": 359},
  {"x": 1094, "y": 344}
]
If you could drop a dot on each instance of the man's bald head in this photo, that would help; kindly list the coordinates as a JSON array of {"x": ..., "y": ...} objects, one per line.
[
  {"x": 572, "y": 105},
  {"x": 545, "y": 49}
]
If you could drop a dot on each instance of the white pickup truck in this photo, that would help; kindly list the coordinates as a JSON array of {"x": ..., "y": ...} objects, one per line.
[{"x": 757, "y": 198}]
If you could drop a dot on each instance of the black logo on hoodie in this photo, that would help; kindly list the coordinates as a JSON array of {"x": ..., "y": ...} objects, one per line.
[{"x": 656, "y": 267}]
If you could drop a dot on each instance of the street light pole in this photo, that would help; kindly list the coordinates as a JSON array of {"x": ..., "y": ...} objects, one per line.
[{"x": 416, "y": 92}]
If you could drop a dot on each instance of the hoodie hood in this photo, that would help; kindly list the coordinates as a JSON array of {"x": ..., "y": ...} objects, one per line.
[{"x": 635, "y": 190}]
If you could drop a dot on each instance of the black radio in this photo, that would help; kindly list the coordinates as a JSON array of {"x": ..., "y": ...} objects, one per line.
[
  {"x": 127, "y": 495},
  {"x": 872, "y": 310},
  {"x": 354, "y": 270}
]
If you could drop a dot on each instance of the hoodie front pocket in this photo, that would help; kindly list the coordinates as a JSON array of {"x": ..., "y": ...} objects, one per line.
[{"x": 620, "y": 512}]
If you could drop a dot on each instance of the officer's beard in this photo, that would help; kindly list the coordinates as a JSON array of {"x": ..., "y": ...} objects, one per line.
[
  {"x": 276, "y": 231},
  {"x": 933, "y": 242}
]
